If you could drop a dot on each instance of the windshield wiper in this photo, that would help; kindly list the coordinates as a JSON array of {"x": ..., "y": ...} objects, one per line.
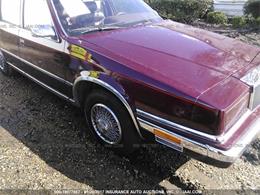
[
  {"x": 101, "y": 28},
  {"x": 113, "y": 27},
  {"x": 92, "y": 29},
  {"x": 144, "y": 22}
]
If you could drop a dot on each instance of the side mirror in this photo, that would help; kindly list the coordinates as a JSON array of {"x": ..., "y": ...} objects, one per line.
[{"x": 43, "y": 31}]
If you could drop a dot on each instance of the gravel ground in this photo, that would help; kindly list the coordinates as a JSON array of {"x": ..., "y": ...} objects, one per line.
[{"x": 43, "y": 147}]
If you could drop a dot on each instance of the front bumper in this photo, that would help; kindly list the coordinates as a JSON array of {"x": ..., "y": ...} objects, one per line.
[{"x": 217, "y": 150}]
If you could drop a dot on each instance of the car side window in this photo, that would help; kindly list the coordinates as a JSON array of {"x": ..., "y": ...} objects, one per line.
[
  {"x": 37, "y": 17},
  {"x": 10, "y": 11}
]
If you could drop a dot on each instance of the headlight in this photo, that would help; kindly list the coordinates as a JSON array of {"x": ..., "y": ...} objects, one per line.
[{"x": 253, "y": 79}]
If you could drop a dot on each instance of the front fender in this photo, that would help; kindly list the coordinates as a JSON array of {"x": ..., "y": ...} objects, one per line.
[{"x": 108, "y": 83}]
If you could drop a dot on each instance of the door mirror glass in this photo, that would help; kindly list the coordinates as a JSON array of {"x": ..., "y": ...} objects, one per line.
[{"x": 44, "y": 31}]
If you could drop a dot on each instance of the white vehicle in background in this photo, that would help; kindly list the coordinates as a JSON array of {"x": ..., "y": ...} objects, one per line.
[{"x": 230, "y": 7}]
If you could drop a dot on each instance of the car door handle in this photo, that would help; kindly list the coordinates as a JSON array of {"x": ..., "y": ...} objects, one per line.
[{"x": 21, "y": 42}]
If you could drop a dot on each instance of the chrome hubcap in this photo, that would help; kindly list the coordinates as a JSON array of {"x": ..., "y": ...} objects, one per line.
[{"x": 106, "y": 124}]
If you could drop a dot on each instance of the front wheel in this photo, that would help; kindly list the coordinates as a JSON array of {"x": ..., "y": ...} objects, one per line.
[{"x": 110, "y": 123}]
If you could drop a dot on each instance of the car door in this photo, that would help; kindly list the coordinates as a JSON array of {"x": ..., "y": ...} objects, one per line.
[
  {"x": 41, "y": 48},
  {"x": 9, "y": 29}
]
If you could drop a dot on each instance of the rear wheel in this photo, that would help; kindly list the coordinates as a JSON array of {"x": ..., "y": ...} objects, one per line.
[
  {"x": 110, "y": 122},
  {"x": 4, "y": 67}
]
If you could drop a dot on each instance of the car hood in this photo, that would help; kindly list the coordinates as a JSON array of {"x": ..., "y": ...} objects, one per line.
[{"x": 188, "y": 59}]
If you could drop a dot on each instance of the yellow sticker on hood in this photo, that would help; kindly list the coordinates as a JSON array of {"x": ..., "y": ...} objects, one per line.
[{"x": 80, "y": 52}]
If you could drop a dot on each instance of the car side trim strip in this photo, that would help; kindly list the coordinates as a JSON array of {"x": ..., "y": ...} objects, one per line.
[
  {"x": 38, "y": 68},
  {"x": 42, "y": 84},
  {"x": 101, "y": 83}
]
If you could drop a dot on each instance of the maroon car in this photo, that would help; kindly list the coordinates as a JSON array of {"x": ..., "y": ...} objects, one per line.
[{"x": 136, "y": 76}]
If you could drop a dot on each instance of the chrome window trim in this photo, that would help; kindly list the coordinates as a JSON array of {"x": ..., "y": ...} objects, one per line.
[
  {"x": 58, "y": 19},
  {"x": 14, "y": 30},
  {"x": 218, "y": 139},
  {"x": 86, "y": 78}
]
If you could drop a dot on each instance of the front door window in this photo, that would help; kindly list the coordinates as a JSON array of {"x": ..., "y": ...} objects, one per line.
[
  {"x": 37, "y": 18},
  {"x": 12, "y": 17}
]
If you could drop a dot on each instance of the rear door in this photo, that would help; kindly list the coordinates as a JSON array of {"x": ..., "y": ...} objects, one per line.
[
  {"x": 9, "y": 29},
  {"x": 44, "y": 57}
]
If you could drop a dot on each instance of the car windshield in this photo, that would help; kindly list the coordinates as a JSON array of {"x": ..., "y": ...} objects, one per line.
[{"x": 85, "y": 16}]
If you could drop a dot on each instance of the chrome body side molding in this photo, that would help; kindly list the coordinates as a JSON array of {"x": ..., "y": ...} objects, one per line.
[
  {"x": 42, "y": 84},
  {"x": 38, "y": 68},
  {"x": 86, "y": 78}
]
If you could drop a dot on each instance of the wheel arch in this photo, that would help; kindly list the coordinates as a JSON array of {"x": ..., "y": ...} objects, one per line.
[{"x": 84, "y": 84}]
